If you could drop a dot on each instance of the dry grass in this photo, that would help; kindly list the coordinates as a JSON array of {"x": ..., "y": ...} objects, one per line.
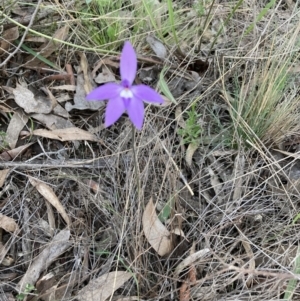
[{"x": 244, "y": 174}]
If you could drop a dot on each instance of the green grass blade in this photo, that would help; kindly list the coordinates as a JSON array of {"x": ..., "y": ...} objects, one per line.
[
  {"x": 260, "y": 16},
  {"x": 38, "y": 56},
  {"x": 164, "y": 86},
  {"x": 293, "y": 282},
  {"x": 171, "y": 19}
]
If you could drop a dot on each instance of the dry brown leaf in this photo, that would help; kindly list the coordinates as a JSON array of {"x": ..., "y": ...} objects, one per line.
[
  {"x": 190, "y": 259},
  {"x": 88, "y": 81},
  {"x": 51, "y": 46},
  {"x": 70, "y": 134},
  {"x": 104, "y": 61},
  {"x": 16, "y": 124},
  {"x": 80, "y": 102},
  {"x": 3, "y": 174},
  {"x": 26, "y": 100},
  {"x": 178, "y": 232},
  {"x": 105, "y": 76},
  {"x": 156, "y": 233},
  {"x": 13, "y": 153},
  {"x": 53, "y": 122},
  {"x": 103, "y": 287},
  {"x": 157, "y": 46},
  {"x": 8, "y": 224},
  {"x": 59, "y": 244},
  {"x": 4, "y": 109},
  {"x": 184, "y": 292},
  {"x": 8, "y": 36},
  {"x": 48, "y": 193},
  {"x": 48, "y": 47},
  {"x": 190, "y": 153}
]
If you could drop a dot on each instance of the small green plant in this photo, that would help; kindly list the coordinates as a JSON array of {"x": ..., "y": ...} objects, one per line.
[
  {"x": 101, "y": 21},
  {"x": 191, "y": 133},
  {"x": 28, "y": 289}
]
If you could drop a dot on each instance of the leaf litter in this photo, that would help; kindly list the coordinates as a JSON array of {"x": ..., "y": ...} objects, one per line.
[{"x": 241, "y": 208}]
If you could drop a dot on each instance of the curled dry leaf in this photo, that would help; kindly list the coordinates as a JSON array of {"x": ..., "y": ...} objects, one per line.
[
  {"x": 59, "y": 244},
  {"x": 156, "y": 233},
  {"x": 8, "y": 224},
  {"x": 103, "y": 287},
  {"x": 12, "y": 154},
  {"x": 48, "y": 193},
  {"x": 3, "y": 174},
  {"x": 70, "y": 134},
  {"x": 190, "y": 153},
  {"x": 190, "y": 259},
  {"x": 16, "y": 124}
]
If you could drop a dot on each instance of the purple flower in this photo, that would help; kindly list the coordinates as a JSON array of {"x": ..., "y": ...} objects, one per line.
[{"x": 125, "y": 97}]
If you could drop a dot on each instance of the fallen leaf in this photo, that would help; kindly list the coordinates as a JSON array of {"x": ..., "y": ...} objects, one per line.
[
  {"x": 190, "y": 153},
  {"x": 4, "y": 109},
  {"x": 156, "y": 233},
  {"x": 70, "y": 134},
  {"x": 105, "y": 76},
  {"x": 59, "y": 244},
  {"x": 26, "y": 100},
  {"x": 13, "y": 153},
  {"x": 80, "y": 102},
  {"x": 184, "y": 292},
  {"x": 101, "y": 288},
  {"x": 48, "y": 193},
  {"x": 50, "y": 46},
  {"x": 190, "y": 259},
  {"x": 8, "y": 224},
  {"x": 53, "y": 122},
  {"x": 16, "y": 124},
  {"x": 3, "y": 174},
  {"x": 157, "y": 46},
  {"x": 8, "y": 36}
]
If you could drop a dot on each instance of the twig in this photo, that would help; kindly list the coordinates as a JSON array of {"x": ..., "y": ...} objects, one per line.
[
  {"x": 24, "y": 35},
  {"x": 55, "y": 164}
]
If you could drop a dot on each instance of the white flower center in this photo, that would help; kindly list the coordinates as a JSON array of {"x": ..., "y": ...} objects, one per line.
[{"x": 126, "y": 93}]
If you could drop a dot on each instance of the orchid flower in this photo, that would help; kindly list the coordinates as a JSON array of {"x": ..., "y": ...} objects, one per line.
[{"x": 125, "y": 97}]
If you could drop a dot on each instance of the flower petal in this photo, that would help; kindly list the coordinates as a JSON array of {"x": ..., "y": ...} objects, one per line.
[
  {"x": 128, "y": 63},
  {"x": 114, "y": 110},
  {"x": 135, "y": 111},
  {"x": 146, "y": 93},
  {"x": 107, "y": 91}
]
